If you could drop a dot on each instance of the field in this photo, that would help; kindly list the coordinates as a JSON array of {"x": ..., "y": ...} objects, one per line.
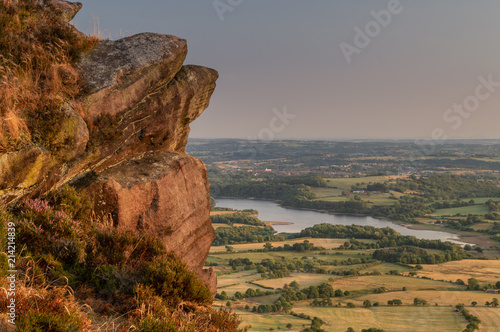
[
  {"x": 490, "y": 318},
  {"x": 335, "y": 195},
  {"x": 258, "y": 256},
  {"x": 346, "y": 183},
  {"x": 442, "y": 298},
  {"x": 237, "y": 278},
  {"x": 396, "y": 319},
  {"x": 464, "y": 210},
  {"x": 482, "y": 200},
  {"x": 325, "y": 243},
  {"x": 265, "y": 322},
  {"x": 304, "y": 280},
  {"x": 437, "y": 288},
  {"x": 392, "y": 283},
  {"x": 483, "y": 271}
]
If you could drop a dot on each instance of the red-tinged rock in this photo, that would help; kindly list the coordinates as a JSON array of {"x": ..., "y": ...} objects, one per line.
[{"x": 165, "y": 194}]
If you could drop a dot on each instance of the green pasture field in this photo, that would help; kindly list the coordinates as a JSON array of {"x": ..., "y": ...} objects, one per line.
[
  {"x": 242, "y": 288},
  {"x": 304, "y": 280},
  {"x": 482, "y": 200},
  {"x": 346, "y": 183},
  {"x": 237, "y": 278},
  {"x": 256, "y": 257},
  {"x": 385, "y": 268},
  {"x": 325, "y": 243},
  {"x": 334, "y": 195},
  {"x": 464, "y": 210},
  {"x": 265, "y": 322}
]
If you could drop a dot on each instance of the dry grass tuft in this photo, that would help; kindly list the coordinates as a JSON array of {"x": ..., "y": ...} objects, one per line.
[{"x": 37, "y": 76}]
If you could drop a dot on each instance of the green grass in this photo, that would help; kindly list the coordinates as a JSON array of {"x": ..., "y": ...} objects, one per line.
[
  {"x": 482, "y": 200},
  {"x": 327, "y": 192},
  {"x": 464, "y": 210},
  {"x": 391, "y": 319},
  {"x": 335, "y": 195},
  {"x": 385, "y": 268},
  {"x": 304, "y": 280},
  {"x": 346, "y": 183},
  {"x": 237, "y": 278},
  {"x": 257, "y": 257},
  {"x": 325, "y": 243},
  {"x": 265, "y": 322}
]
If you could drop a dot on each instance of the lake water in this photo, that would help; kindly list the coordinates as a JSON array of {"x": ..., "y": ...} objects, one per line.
[{"x": 301, "y": 219}]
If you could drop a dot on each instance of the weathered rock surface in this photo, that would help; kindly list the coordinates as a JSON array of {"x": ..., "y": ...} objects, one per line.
[
  {"x": 163, "y": 193},
  {"x": 65, "y": 10},
  {"x": 129, "y": 152}
]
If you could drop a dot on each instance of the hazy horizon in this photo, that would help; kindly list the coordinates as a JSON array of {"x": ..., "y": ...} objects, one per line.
[{"x": 428, "y": 70}]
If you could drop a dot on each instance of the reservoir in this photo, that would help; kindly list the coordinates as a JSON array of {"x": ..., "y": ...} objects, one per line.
[{"x": 301, "y": 219}]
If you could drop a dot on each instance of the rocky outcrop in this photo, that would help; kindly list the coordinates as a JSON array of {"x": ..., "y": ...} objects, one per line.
[
  {"x": 65, "y": 10},
  {"x": 165, "y": 194},
  {"x": 123, "y": 142}
]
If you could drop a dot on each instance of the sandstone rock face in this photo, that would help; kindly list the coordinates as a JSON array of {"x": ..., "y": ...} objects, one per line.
[
  {"x": 126, "y": 146},
  {"x": 166, "y": 194}
]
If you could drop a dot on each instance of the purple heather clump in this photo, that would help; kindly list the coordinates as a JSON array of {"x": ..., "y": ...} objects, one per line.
[{"x": 37, "y": 205}]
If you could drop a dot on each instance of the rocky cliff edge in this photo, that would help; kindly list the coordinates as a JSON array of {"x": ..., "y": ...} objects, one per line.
[{"x": 123, "y": 143}]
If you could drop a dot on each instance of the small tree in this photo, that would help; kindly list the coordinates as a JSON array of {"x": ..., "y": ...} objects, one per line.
[
  {"x": 474, "y": 303},
  {"x": 229, "y": 249},
  {"x": 223, "y": 296},
  {"x": 367, "y": 303},
  {"x": 228, "y": 304},
  {"x": 494, "y": 302},
  {"x": 289, "y": 326},
  {"x": 473, "y": 284}
]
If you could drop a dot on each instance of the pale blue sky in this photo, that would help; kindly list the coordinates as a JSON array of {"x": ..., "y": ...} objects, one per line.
[{"x": 276, "y": 53}]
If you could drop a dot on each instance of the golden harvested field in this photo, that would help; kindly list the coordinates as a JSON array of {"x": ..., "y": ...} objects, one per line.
[
  {"x": 304, "y": 280},
  {"x": 484, "y": 271},
  {"x": 490, "y": 318},
  {"x": 326, "y": 243},
  {"x": 442, "y": 298},
  {"x": 391, "y": 319},
  {"x": 392, "y": 283},
  {"x": 214, "y": 213}
]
